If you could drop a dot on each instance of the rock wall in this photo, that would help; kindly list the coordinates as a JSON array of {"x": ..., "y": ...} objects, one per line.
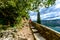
[{"x": 46, "y": 32}]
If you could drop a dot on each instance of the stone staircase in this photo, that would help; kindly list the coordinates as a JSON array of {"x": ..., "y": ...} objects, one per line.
[{"x": 37, "y": 34}]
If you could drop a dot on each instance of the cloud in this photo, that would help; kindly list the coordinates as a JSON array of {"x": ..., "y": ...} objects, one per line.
[
  {"x": 57, "y": 6},
  {"x": 33, "y": 15},
  {"x": 33, "y": 18},
  {"x": 50, "y": 13},
  {"x": 57, "y": 1},
  {"x": 51, "y": 16},
  {"x": 54, "y": 18}
]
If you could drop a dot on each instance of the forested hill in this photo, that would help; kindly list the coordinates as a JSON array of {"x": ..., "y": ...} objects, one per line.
[{"x": 52, "y": 23}]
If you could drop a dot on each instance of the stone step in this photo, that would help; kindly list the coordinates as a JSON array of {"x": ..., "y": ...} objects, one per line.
[
  {"x": 38, "y": 36},
  {"x": 34, "y": 30},
  {"x": 33, "y": 27}
]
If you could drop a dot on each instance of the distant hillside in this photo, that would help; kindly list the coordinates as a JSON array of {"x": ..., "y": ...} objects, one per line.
[{"x": 52, "y": 23}]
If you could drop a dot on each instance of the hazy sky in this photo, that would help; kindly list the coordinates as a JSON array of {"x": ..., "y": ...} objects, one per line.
[{"x": 50, "y": 13}]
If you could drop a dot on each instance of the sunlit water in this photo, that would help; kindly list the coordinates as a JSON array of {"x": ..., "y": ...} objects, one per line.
[{"x": 56, "y": 28}]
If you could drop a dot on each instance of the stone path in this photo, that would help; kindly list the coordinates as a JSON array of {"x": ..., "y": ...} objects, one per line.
[{"x": 15, "y": 34}]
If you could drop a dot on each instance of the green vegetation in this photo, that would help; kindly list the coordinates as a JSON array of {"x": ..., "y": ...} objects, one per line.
[
  {"x": 38, "y": 18},
  {"x": 12, "y": 11}
]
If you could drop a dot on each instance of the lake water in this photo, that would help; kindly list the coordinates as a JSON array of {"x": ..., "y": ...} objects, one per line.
[{"x": 56, "y": 28}]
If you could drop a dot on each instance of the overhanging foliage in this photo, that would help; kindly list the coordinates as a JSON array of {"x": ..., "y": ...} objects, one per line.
[{"x": 12, "y": 11}]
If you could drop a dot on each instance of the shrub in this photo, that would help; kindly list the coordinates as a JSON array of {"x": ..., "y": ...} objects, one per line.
[{"x": 11, "y": 12}]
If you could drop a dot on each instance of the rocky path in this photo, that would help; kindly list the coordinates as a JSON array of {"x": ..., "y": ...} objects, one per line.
[{"x": 15, "y": 34}]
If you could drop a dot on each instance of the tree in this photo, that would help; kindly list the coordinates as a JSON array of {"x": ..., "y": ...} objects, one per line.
[
  {"x": 38, "y": 18},
  {"x": 12, "y": 11}
]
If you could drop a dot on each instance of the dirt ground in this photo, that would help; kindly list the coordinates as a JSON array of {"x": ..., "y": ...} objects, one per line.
[{"x": 26, "y": 32}]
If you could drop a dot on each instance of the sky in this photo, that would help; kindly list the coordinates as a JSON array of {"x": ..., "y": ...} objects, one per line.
[{"x": 50, "y": 13}]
